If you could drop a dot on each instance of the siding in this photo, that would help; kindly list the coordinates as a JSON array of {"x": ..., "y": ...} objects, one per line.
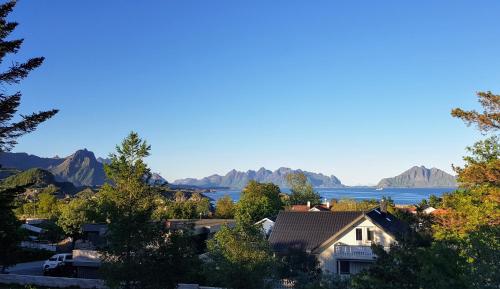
[{"x": 329, "y": 262}]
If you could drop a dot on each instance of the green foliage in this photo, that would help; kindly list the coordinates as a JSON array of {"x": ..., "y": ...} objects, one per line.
[
  {"x": 75, "y": 213},
  {"x": 197, "y": 206},
  {"x": 301, "y": 190},
  {"x": 240, "y": 258},
  {"x": 10, "y": 234},
  {"x": 301, "y": 267},
  {"x": 258, "y": 201},
  {"x": 47, "y": 206},
  {"x": 482, "y": 250},
  {"x": 407, "y": 266},
  {"x": 32, "y": 176},
  {"x": 353, "y": 205},
  {"x": 224, "y": 208},
  {"x": 139, "y": 252}
]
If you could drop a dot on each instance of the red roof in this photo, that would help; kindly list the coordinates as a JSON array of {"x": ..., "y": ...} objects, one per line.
[{"x": 305, "y": 208}]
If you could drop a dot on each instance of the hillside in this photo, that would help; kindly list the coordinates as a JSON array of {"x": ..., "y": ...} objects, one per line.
[
  {"x": 37, "y": 178},
  {"x": 420, "y": 177},
  {"x": 237, "y": 180}
]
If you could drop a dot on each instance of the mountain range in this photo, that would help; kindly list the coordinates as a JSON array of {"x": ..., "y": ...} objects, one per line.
[
  {"x": 82, "y": 168},
  {"x": 236, "y": 180},
  {"x": 420, "y": 177}
]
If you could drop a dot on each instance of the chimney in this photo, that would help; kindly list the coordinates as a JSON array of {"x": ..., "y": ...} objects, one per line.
[
  {"x": 328, "y": 205},
  {"x": 383, "y": 206},
  {"x": 308, "y": 204}
]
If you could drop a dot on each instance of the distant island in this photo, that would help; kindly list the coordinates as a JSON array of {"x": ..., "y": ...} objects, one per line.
[
  {"x": 83, "y": 169},
  {"x": 237, "y": 180},
  {"x": 420, "y": 177}
]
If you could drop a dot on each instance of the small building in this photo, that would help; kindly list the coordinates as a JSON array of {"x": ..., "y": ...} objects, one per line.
[
  {"x": 267, "y": 225},
  {"x": 87, "y": 263},
  {"x": 340, "y": 240}
]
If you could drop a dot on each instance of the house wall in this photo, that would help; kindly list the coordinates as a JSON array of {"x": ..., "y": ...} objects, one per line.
[
  {"x": 267, "y": 226},
  {"x": 329, "y": 262}
]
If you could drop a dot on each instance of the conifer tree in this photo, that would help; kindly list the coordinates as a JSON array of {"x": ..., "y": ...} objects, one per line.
[
  {"x": 9, "y": 103},
  {"x": 11, "y": 130}
]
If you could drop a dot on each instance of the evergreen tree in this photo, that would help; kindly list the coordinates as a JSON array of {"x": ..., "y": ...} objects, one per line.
[
  {"x": 9, "y": 103},
  {"x": 137, "y": 245},
  {"x": 10, "y": 234},
  {"x": 11, "y": 130}
]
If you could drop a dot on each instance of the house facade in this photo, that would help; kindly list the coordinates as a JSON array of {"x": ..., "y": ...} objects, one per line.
[{"x": 341, "y": 241}]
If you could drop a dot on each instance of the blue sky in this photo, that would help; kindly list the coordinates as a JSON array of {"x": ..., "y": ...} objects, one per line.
[{"x": 359, "y": 89}]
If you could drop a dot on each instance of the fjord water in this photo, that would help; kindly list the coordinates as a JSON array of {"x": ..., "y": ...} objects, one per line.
[{"x": 403, "y": 196}]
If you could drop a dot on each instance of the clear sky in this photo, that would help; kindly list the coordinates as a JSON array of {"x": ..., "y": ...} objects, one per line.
[{"x": 359, "y": 89}]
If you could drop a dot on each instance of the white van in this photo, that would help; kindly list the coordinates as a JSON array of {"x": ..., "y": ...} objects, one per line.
[{"x": 56, "y": 261}]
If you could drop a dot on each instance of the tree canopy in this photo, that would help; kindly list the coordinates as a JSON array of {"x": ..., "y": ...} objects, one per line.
[
  {"x": 258, "y": 201},
  {"x": 301, "y": 190}
]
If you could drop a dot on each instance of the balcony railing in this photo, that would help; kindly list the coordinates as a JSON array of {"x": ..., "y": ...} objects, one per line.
[{"x": 354, "y": 252}]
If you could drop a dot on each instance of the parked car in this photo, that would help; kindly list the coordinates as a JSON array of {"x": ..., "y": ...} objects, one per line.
[{"x": 59, "y": 265}]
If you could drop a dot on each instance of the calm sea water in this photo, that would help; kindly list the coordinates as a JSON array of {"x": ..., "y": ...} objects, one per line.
[{"x": 404, "y": 196}]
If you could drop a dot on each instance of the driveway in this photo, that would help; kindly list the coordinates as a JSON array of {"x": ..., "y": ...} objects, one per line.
[{"x": 29, "y": 268}]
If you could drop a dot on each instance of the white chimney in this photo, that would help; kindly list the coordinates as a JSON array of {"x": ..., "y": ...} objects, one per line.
[
  {"x": 328, "y": 205},
  {"x": 308, "y": 204}
]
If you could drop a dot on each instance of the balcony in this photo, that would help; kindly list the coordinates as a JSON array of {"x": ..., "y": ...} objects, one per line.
[{"x": 354, "y": 252}]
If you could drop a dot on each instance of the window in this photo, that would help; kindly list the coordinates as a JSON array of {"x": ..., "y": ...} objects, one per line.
[
  {"x": 60, "y": 258},
  {"x": 344, "y": 267},
  {"x": 359, "y": 235},
  {"x": 369, "y": 234}
]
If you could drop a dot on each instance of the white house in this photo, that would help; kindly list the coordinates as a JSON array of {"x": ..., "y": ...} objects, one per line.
[
  {"x": 340, "y": 240},
  {"x": 266, "y": 224}
]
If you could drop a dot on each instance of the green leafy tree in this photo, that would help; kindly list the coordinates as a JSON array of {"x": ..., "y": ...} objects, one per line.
[
  {"x": 47, "y": 206},
  {"x": 224, "y": 208},
  {"x": 240, "y": 258},
  {"x": 347, "y": 204},
  {"x": 74, "y": 215},
  {"x": 301, "y": 190},
  {"x": 301, "y": 267},
  {"x": 406, "y": 266},
  {"x": 482, "y": 247},
  {"x": 258, "y": 201}
]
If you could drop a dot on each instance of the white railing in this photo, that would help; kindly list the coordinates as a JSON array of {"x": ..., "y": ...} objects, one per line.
[{"x": 354, "y": 252}]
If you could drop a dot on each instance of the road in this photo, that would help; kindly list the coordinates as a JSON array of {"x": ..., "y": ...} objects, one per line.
[{"x": 29, "y": 268}]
